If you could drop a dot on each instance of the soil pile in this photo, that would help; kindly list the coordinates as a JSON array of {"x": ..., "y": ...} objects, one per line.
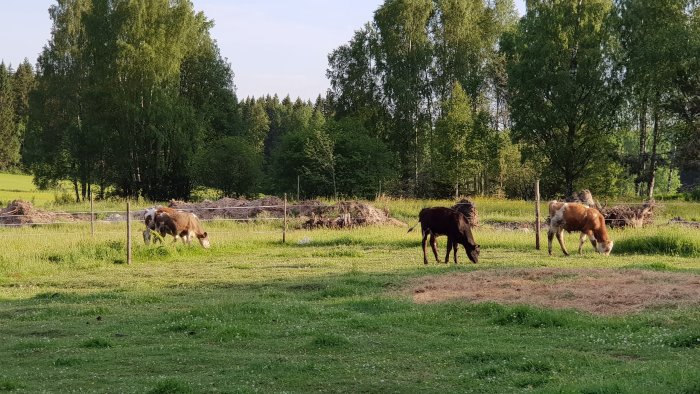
[
  {"x": 629, "y": 216},
  {"x": 312, "y": 213},
  {"x": 348, "y": 214},
  {"x": 20, "y": 212},
  {"x": 233, "y": 208},
  {"x": 598, "y": 291}
]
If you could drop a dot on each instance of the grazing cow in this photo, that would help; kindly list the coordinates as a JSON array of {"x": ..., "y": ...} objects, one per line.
[
  {"x": 183, "y": 225},
  {"x": 445, "y": 221},
  {"x": 578, "y": 217},
  {"x": 149, "y": 220}
]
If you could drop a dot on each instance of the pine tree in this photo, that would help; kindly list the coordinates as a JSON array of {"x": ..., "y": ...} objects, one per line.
[{"x": 9, "y": 135}]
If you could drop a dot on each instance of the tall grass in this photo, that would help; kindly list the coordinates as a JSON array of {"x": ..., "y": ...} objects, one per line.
[{"x": 672, "y": 242}]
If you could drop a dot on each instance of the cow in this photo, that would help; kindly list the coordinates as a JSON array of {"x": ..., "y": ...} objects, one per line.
[
  {"x": 149, "y": 219},
  {"x": 445, "y": 221},
  {"x": 183, "y": 225},
  {"x": 578, "y": 217}
]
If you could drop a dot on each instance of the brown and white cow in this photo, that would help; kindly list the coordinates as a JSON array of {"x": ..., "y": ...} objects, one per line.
[
  {"x": 183, "y": 225},
  {"x": 445, "y": 221},
  {"x": 149, "y": 219},
  {"x": 578, "y": 217}
]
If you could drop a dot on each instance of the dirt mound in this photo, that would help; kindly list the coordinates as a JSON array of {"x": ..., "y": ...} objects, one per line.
[
  {"x": 598, "y": 291},
  {"x": 468, "y": 209},
  {"x": 232, "y": 208},
  {"x": 20, "y": 212},
  {"x": 312, "y": 212},
  {"x": 629, "y": 216},
  {"x": 347, "y": 214},
  {"x": 680, "y": 221}
]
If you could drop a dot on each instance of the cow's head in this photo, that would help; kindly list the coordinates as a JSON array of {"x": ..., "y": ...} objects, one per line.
[
  {"x": 604, "y": 247},
  {"x": 204, "y": 240},
  {"x": 473, "y": 253}
]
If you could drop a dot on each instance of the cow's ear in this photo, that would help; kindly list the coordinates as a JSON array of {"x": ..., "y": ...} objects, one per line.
[{"x": 205, "y": 234}]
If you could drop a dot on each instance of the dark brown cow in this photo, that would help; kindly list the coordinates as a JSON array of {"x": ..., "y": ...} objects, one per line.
[
  {"x": 445, "y": 221},
  {"x": 183, "y": 225}
]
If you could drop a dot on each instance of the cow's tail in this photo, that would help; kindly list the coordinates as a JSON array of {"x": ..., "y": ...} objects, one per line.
[{"x": 411, "y": 229}]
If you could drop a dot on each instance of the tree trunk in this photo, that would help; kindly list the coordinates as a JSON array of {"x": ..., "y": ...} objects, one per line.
[
  {"x": 642, "y": 145},
  {"x": 654, "y": 143},
  {"x": 77, "y": 192}
]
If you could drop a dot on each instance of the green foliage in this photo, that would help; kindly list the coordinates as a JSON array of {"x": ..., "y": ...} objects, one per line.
[
  {"x": 9, "y": 132},
  {"x": 364, "y": 164},
  {"x": 231, "y": 165},
  {"x": 154, "y": 64},
  {"x": 398, "y": 73},
  {"x": 563, "y": 89}
]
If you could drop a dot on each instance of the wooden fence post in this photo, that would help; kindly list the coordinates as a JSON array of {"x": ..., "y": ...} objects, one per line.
[
  {"x": 128, "y": 232},
  {"x": 92, "y": 217},
  {"x": 284, "y": 229},
  {"x": 537, "y": 214}
]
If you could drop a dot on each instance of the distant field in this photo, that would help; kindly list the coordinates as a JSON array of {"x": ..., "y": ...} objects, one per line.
[{"x": 20, "y": 187}]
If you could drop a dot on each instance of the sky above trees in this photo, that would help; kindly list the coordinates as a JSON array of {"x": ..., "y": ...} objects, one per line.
[{"x": 274, "y": 46}]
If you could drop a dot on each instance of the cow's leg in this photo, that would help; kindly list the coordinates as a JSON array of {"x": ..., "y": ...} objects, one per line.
[
  {"x": 550, "y": 236},
  {"x": 449, "y": 249},
  {"x": 147, "y": 236},
  {"x": 455, "y": 247},
  {"x": 560, "y": 238},
  {"x": 433, "y": 245},
  {"x": 425, "y": 237},
  {"x": 593, "y": 241},
  {"x": 581, "y": 241}
]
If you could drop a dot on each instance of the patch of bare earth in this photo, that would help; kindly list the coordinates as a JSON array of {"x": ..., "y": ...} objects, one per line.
[{"x": 598, "y": 291}]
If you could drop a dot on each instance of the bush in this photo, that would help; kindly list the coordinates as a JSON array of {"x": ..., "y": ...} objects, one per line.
[{"x": 693, "y": 194}]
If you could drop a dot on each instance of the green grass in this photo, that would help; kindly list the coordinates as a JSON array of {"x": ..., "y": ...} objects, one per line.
[
  {"x": 20, "y": 187},
  {"x": 324, "y": 312}
]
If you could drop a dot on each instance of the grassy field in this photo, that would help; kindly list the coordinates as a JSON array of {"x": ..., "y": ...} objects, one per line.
[{"x": 328, "y": 311}]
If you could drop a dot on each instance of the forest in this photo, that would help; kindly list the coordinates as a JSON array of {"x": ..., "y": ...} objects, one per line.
[{"x": 430, "y": 98}]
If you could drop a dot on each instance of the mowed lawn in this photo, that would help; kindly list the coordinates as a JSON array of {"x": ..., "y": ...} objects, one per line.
[{"x": 330, "y": 311}]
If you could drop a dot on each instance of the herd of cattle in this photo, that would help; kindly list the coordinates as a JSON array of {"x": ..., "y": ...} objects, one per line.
[{"x": 437, "y": 221}]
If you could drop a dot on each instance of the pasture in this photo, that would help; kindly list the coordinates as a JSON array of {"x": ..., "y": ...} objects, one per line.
[{"x": 329, "y": 311}]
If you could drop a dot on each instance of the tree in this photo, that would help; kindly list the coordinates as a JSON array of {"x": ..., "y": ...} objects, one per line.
[
  {"x": 404, "y": 62},
  {"x": 651, "y": 34},
  {"x": 9, "y": 132},
  {"x": 563, "y": 88},
  {"x": 23, "y": 83},
  {"x": 364, "y": 165},
  {"x": 454, "y": 142},
  {"x": 231, "y": 165},
  {"x": 397, "y": 71},
  {"x": 127, "y": 92},
  {"x": 256, "y": 124}
]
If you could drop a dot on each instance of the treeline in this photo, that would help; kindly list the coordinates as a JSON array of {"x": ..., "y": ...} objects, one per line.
[{"x": 430, "y": 98}]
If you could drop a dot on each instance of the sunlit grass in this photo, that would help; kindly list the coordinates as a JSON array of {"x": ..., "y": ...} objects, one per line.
[
  {"x": 274, "y": 317},
  {"x": 328, "y": 311}
]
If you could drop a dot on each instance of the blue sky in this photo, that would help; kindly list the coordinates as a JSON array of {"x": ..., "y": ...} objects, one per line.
[{"x": 274, "y": 46}]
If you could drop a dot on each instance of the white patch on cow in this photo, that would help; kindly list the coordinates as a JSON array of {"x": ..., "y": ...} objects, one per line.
[
  {"x": 558, "y": 218},
  {"x": 204, "y": 242},
  {"x": 605, "y": 248}
]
